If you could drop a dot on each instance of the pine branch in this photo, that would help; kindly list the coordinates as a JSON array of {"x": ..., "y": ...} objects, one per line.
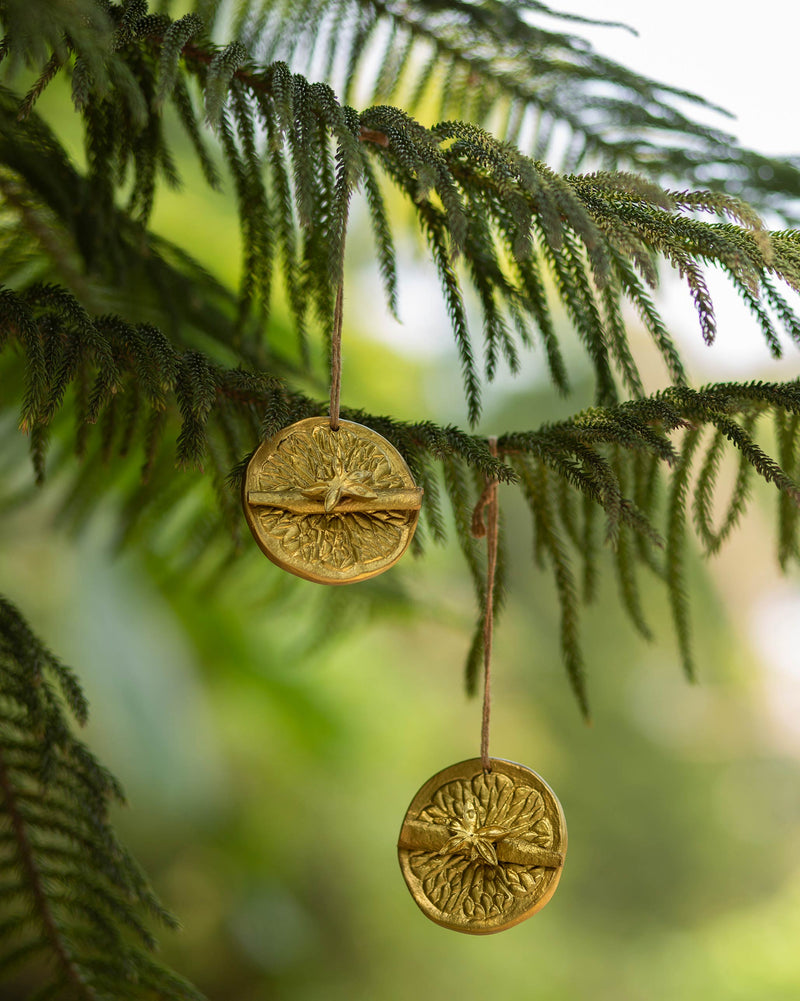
[
  {"x": 476, "y": 199},
  {"x": 72, "y": 894},
  {"x": 495, "y": 219},
  {"x": 497, "y": 64},
  {"x": 595, "y": 452},
  {"x": 145, "y": 384},
  {"x": 131, "y": 388}
]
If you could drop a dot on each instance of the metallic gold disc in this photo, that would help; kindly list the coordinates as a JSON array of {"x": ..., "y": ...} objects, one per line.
[
  {"x": 479, "y": 851},
  {"x": 331, "y": 506}
]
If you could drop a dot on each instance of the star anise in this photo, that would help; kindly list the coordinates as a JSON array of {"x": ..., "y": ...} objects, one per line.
[
  {"x": 478, "y": 841},
  {"x": 341, "y": 484}
]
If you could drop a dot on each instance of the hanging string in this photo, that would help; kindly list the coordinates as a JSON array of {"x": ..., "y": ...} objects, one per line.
[
  {"x": 336, "y": 335},
  {"x": 488, "y": 503},
  {"x": 336, "y": 355}
]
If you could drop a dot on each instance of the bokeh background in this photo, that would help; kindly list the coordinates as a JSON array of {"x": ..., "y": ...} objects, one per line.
[{"x": 270, "y": 733}]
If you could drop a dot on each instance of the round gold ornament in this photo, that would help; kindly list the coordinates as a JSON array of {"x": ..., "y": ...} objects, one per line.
[
  {"x": 331, "y": 506},
  {"x": 482, "y": 851}
]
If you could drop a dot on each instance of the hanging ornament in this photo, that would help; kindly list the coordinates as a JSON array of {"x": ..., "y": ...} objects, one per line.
[
  {"x": 331, "y": 506},
  {"x": 483, "y": 843},
  {"x": 483, "y": 850},
  {"x": 327, "y": 499}
]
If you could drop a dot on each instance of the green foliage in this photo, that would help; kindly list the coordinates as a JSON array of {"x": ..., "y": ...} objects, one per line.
[
  {"x": 130, "y": 388},
  {"x": 476, "y": 198},
  {"x": 611, "y": 456},
  {"x": 73, "y": 898},
  {"x": 497, "y": 64},
  {"x": 119, "y": 349},
  {"x": 495, "y": 220}
]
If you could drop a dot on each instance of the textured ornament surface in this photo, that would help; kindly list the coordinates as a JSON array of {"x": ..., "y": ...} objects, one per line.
[
  {"x": 331, "y": 506},
  {"x": 481, "y": 852}
]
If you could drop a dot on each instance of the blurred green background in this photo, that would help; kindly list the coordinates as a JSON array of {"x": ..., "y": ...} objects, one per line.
[{"x": 269, "y": 758}]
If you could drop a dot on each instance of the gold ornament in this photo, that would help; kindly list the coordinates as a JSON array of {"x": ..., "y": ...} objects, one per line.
[
  {"x": 331, "y": 506},
  {"x": 482, "y": 851}
]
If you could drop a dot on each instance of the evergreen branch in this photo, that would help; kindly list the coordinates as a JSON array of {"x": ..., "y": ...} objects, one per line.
[
  {"x": 216, "y": 415},
  {"x": 490, "y": 214},
  {"x": 474, "y": 196},
  {"x": 706, "y": 481},
  {"x": 788, "y": 512},
  {"x": 576, "y": 450},
  {"x": 62, "y": 858},
  {"x": 65, "y": 230},
  {"x": 176, "y": 38},
  {"x": 143, "y": 360},
  {"x": 625, "y": 560},
  {"x": 498, "y": 65},
  {"x": 537, "y": 486}
]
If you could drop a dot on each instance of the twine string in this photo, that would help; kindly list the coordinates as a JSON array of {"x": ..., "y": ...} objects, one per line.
[
  {"x": 487, "y": 503},
  {"x": 336, "y": 335},
  {"x": 336, "y": 354}
]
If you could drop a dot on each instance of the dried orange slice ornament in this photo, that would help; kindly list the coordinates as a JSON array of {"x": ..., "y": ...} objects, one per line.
[
  {"x": 332, "y": 506},
  {"x": 481, "y": 851}
]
